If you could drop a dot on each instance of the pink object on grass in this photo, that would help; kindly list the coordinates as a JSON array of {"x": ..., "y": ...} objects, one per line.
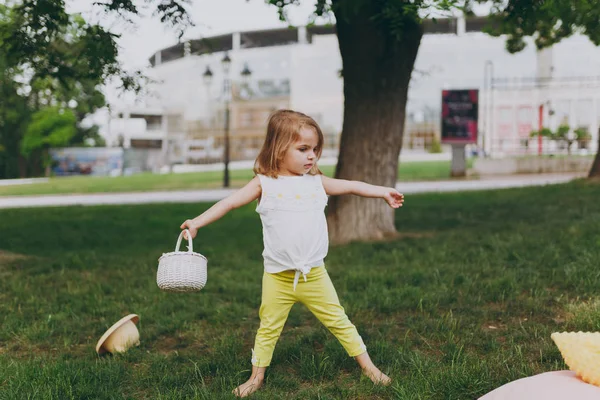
[{"x": 556, "y": 385}]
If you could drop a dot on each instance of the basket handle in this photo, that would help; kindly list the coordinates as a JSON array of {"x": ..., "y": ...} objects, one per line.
[{"x": 190, "y": 246}]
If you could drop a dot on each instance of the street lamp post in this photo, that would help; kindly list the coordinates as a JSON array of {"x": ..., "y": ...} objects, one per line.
[
  {"x": 246, "y": 73},
  {"x": 226, "y": 63},
  {"x": 488, "y": 85}
]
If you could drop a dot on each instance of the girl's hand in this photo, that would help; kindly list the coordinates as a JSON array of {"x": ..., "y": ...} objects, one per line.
[
  {"x": 189, "y": 225},
  {"x": 394, "y": 198}
]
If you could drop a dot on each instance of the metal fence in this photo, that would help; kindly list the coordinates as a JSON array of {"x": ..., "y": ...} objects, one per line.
[
  {"x": 541, "y": 146},
  {"x": 211, "y": 150}
]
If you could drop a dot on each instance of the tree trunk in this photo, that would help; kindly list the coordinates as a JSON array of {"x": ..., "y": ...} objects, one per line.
[
  {"x": 595, "y": 171},
  {"x": 377, "y": 67},
  {"x": 22, "y": 167},
  {"x": 47, "y": 162},
  {"x": 35, "y": 163}
]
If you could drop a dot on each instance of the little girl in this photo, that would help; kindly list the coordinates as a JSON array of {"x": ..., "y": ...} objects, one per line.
[{"x": 292, "y": 195}]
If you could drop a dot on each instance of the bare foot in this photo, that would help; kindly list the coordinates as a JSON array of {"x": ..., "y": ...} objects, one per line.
[
  {"x": 251, "y": 386},
  {"x": 376, "y": 376}
]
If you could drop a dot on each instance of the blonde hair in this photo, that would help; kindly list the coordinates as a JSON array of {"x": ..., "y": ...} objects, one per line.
[{"x": 282, "y": 131}]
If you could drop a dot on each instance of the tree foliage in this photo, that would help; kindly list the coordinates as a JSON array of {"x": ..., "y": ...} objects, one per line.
[
  {"x": 51, "y": 63},
  {"x": 547, "y": 22},
  {"x": 49, "y": 127}
]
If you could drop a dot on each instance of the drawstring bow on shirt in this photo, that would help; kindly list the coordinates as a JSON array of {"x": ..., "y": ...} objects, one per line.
[{"x": 303, "y": 270}]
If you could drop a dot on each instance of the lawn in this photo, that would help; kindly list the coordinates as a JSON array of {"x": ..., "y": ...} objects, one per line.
[
  {"x": 462, "y": 302},
  {"x": 410, "y": 171}
]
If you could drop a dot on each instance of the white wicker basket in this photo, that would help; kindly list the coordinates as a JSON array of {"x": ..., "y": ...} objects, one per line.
[{"x": 182, "y": 271}]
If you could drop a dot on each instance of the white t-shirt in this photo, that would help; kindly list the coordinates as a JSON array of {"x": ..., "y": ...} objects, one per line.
[{"x": 292, "y": 212}]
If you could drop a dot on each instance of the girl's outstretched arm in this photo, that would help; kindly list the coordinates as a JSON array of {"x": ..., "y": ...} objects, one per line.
[
  {"x": 245, "y": 195},
  {"x": 340, "y": 186}
]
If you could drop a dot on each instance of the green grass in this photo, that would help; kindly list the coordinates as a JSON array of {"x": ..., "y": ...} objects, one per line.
[
  {"x": 410, "y": 171},
  {"x": 462, "y": 303}
]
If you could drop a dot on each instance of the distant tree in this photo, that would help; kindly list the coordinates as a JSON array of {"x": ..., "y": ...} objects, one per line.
[
  {"x": 49, "y": 128},
  {"x": 14, "y": 115},
  {"x": 565, "y": 134},
  {"x": 87, "y": 137},
  {"x": 56, "y": 68}
]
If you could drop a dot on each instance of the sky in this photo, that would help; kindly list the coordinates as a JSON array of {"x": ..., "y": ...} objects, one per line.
[{"x": 212, "y": 17}]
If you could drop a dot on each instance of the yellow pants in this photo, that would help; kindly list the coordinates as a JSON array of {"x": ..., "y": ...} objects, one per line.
[{"x": 318, "y": 294}]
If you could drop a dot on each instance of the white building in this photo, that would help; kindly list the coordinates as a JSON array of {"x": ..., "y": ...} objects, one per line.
[{"x": 299, "y": 68}]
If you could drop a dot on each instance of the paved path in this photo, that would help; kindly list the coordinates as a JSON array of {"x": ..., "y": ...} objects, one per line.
[{"x": 197, "y": 196}]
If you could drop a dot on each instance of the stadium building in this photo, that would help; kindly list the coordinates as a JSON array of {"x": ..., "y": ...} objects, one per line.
[{"x": 193, "y": 101}]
